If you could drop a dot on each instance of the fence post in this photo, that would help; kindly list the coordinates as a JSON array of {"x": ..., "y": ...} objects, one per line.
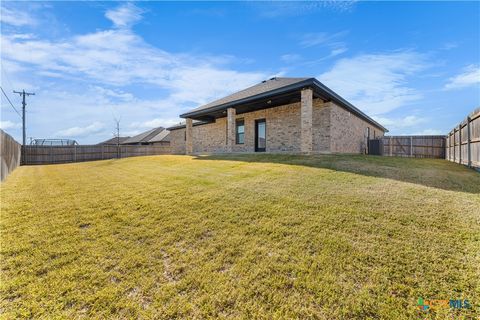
[
  {"x": 390, "y": 145},
  {"x": 74, "y": 153},
  {"x": 460, "y": 140},
  {"x": 447, "y": 148},
  {"x": 411, "y": 146},
  {"x": 102, "y": 151},
  {"x": 469, "y": 151},
  {"x": 454, "y": 146}
]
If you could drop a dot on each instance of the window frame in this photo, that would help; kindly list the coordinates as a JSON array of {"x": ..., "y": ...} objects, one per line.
[{"x": 239, "y": 123}]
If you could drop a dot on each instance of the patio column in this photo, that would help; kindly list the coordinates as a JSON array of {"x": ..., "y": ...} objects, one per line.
[
  {"x": 231, "y": 113},
  {"x": 306, "y": 121},
  {"x": 189, "y": 136}
]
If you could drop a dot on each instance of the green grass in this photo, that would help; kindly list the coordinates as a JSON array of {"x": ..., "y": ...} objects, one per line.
[{"x": 251, "y": 236}]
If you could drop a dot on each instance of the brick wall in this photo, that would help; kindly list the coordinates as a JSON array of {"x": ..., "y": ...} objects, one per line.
[
  {"x": 348, "y": 133},
  {"x": 334, "y": 130},
  {"x": 321, "y": 126},
  {"x": 177, "y": 141}
]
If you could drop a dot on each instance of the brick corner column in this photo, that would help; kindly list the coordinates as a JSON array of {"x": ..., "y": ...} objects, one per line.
[
  {"x": 231, "y": 113},
  {"x": 189, "y": 136},
  {"x": 306, "y": 121}
]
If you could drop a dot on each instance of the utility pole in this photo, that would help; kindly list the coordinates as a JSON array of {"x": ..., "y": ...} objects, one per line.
[
  {"x": 24, "y": 104},
  {"x": 23, "y": 94}
]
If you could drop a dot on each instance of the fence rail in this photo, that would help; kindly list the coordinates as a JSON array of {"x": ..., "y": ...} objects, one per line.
[
  {"x": 409, "y": 146},
  {"x": 79, "y": 153},
  {"x": 10, "y": 154},
  {"x": 463, "y": 142}
]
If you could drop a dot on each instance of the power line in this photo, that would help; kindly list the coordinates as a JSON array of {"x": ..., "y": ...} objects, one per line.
[
  {"x": 4, "y": 70},
  {"x": 10, "y": 102}
]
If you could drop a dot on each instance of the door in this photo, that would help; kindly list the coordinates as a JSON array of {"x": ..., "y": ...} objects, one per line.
[{"x": 260, "y": 135}]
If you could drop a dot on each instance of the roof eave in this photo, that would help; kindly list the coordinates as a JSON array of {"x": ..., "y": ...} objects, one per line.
[
  {"x": 321, "y": 89},
  {"x": 291, "y": 87},
  {"x": 336, "y": 98}
]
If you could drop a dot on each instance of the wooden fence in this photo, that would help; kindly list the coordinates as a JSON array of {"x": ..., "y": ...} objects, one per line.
[
  {"x": 409, "y": 146},
  {"x": 79, "y": 153},
  {"x": 10, "y": 154},
  {"x": 463, "y": 142}
]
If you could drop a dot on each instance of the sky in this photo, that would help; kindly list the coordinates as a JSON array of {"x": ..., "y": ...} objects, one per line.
[{"x": 412, "y": 66}]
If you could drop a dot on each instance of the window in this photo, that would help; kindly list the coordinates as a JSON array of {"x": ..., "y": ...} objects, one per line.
[{"x": 240, "y": 131}]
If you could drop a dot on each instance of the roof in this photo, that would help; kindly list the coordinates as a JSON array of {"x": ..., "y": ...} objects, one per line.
[
  {"x": 262, "y": 87},
  {"x": 114, "y": 140},
  {"x": 275, "y": 87},
  {"x": 144, "y": 136},
  {"x": 183, "y": 124},
  {"x": 162, "y": 136}
]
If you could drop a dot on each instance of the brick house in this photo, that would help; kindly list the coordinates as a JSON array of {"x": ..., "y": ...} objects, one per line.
[{"x": 292, "y": 115}]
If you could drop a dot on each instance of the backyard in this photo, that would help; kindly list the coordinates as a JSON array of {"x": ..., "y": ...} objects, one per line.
[{"x": 240, "y": 236}]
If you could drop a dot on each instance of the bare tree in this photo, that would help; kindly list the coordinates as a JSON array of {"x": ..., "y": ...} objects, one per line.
[{"x": 116, "y": 134}]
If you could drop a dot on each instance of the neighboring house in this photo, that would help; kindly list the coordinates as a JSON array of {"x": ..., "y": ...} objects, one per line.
[
  {"x": 296, "y": 115},
  {"x": 113, "y": 141},
  {"x": 156, "y": 136}
]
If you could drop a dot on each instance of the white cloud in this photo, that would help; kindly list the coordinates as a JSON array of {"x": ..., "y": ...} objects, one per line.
[
  {"x": 330, "y": 41},
  {"x": 17, "y": 18},
  {"x": 376, "y": 83},
  {"x": 449, "y": 45},
  {"x": 470, "y": 76},
  {"x": 124, "y": 15},
  {"x": 155, "y": 123},
  {"x": 117, "y": 94},
  {"x": 321, "y": 38},
  {"x": 337, "y": 51},
  {"x": 5, "y": 125},
  {"x": 290, "y": 58},
  {"x": 398, "y": 123},
  {"x": 81, "y": 131},
  {"x": 91, "y": 78},
  {"x": 120, "y": 58},
  {"x": 429, "y": 132},
  {"x": 274, "y": 9}
]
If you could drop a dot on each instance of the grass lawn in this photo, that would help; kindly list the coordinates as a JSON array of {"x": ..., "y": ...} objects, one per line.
[{"x": 251, "y": 236}]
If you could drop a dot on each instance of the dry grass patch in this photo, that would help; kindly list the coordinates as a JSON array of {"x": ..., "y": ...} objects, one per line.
[{"x": 251, "y": 236}]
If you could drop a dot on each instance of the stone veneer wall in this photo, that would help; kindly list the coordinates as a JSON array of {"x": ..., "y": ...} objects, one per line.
[{"x": 334, "y": 130}]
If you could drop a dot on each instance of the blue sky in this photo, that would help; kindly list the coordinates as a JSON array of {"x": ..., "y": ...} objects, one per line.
[{"x": 413, "y": 66}]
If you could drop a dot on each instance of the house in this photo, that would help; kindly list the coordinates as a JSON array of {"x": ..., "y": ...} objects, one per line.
[
  {"x": 155, "y": 136},
  {"x": 293, "y": 115},
  {"x": 113, "y": 141}
]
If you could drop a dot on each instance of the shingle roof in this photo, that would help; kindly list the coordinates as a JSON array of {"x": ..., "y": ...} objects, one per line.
[
  {"x": 271, "y": 88},
  {"x": 162, "y": 136},
  {"x": 262, "y": 87},
  {"x": 114, "y": 140},
  {"x": 144, "y": 136}
]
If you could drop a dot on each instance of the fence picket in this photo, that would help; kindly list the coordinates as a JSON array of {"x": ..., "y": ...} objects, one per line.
[{"x": 65, "y": 154}]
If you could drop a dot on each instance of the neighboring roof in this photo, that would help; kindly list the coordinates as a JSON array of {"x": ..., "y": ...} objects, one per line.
[
  {"x": 274, "y": 87},
  {"x": 160, "y": 137},
  {"x": 144, "y": 136},
  {"x": 114, "y": 140}
]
